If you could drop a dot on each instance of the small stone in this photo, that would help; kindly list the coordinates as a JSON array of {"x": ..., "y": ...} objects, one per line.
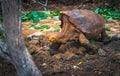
[
  {"x": 89, "y": 67},
  {"x": 56, "y": 68},
  {"x": 99, "y": 72},
  {"x": 80, "y": 51},
  {"x": 68, "y": 55},
  {"x": 57, "y": 56},
  {"x": 34, "y": 36},
  {"x": 44, "y": 64},
  {"x": 75, "y": 67},
  {"x": 101, "y": 52}
]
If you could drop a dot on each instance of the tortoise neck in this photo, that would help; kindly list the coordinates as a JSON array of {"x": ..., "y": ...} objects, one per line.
[{"x": 67, "y": 28}]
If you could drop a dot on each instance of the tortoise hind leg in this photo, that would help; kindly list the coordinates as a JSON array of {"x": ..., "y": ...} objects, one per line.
[
  {"x": 85, "y": 42},
  {"x": 105, "y": 38}
]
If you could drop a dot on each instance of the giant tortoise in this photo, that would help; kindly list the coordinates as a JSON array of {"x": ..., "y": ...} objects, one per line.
[{"x": 80, "y": 25}]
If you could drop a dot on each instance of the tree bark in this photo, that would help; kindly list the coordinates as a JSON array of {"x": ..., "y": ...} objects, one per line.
[{"x": 17, "y": 51}]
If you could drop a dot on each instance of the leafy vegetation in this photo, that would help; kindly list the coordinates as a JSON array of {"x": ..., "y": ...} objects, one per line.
[
  {"x": 36, "y": 16},
  {"x": 33, "y": 16},
  {"x": 109, "y": 12},
  {"x": 106, "y": 28},
  {"x": 91, "y": 40},
  {"x": 42, "y": 27},
  {"x": 39, "y": 27},
  {"x": 2, "y": 32},
  {"x": 1, "y": 18},
  {"x": 55, "y": 15},
  {"x": 57, "y": 30}
]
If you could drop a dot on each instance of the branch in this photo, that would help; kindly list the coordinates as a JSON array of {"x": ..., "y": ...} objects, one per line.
[{"x": 43, "y": 4}]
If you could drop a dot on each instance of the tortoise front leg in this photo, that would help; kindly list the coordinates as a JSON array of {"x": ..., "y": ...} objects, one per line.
[
  {"x": 54, "y": 48},
  {"x": 85, "y": 42}
]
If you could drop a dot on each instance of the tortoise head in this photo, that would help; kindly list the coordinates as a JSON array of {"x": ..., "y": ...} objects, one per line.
[
  {"x": 53, "y": 38},
  {"x": 58, "y": 38}
]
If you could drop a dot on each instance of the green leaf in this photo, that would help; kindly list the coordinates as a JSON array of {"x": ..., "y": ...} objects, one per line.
[
  {"x": 33, "y": 16},
  {"x": 97, "y": 10},
  {"x": 2, "y": 34},
  {"x": 56, "y": 17},
  {"x": 1, "y": 19},
  {"x": 106, "y": 28},
  {"x": 91, "y": 40},
  {"x": 24, "y": 16},
  {"x": 35, "y": 19},
  {"x": 55, "y": 13},
  {"x": 47, "y": 13},
  {"x": 42, "y": 27},
  {"x": 34, "y": 13},
  {"x": 57, "y": 30},
  {"x": 34, "y": 25},
  {"x": 110, "y": 18},
  {"x": 108, "y": 13}
]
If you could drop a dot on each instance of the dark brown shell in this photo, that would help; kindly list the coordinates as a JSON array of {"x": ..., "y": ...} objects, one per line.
[{"x": 86, "y": 21}]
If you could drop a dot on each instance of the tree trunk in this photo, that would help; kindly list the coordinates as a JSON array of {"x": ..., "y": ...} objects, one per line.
[{"x": 17, "y": 51}]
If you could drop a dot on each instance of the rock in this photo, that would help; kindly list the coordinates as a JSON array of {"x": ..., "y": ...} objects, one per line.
[
  {"x": 78, "y": 51},
  {"x": 89, "y": 67},
  {"x": 101, "y": 52},
  {"x": 75, "y": 67},
  {"x": 57, "y": 56},
  {"x": 57, "y": 68},
  {"x": 68, "y": 55},
  {"x": 35, "y": 36}
]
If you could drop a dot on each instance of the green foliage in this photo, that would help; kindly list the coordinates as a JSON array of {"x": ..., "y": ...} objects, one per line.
[
  {"x": 36, "y": 16},
  {"x": 38, "y": 27},
  {"x": 109, "y": 12},
  {"x": 53, "y": 14},
  {"x": 106, "y": 28},
  {"x": 42, "y": 27},
  {"x": 33, "y": 16},
  {"x": 57, "y": 30},
  {"x": 91, "y": 40},
  {"x": 1, "y": 18},
  {"x": 2, "y": 34}
]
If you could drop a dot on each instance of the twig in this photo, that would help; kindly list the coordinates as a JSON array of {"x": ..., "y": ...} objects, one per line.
[{"x": 43, "y": 4}]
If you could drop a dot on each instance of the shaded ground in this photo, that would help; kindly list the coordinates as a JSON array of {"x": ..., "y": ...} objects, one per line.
[{"x": 70, "y": 61}]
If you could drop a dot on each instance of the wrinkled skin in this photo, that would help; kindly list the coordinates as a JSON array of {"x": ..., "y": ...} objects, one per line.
[{"x": 80, "y": 25}]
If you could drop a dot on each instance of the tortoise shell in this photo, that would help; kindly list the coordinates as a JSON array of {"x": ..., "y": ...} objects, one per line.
[{"x": 85, "y": 21}]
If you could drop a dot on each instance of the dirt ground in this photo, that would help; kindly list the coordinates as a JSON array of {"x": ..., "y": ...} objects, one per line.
[{"x": 70, "y": 59}]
